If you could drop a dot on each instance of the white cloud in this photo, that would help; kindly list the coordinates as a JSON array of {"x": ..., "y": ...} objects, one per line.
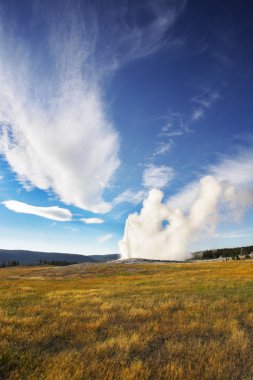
[
  {"x": 55, "y": 133},
  {"x": 204, "y": 101},
  {"x": 51, "y": 133},
  {"x": 235, "y": 170},
  {"x": 54, "y": 213},
  {"x": 163, "y": 148},
  {"x": 130, "y": 40},
  {"x": 175, "y": 126},
  {"x": 104, "y": 238},
  {"x": 130, "y": 196},
  {"x": 197, "y": 114},
  {"x": 207, "y": 97},
  {"x": 175, "y": 133},
  {"x": 92, "y": 220},
  {"x": 157, "y": 176}
]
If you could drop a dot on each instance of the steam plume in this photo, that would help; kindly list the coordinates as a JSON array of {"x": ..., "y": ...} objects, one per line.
[{"x": 165, "y": 233}]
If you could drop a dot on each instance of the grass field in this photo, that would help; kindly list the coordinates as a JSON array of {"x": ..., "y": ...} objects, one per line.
[{"x": 144, "y": 321}]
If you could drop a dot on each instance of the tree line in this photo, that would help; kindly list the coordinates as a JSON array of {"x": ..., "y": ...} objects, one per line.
[
  {"x": 14, "y": 263},
  {"x": 235, "y": 253},
  {"x": 54, "y": 262},
  {"x": 9, "y": 263}
]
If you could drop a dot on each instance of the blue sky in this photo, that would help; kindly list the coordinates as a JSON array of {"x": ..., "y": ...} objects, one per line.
[{"x": 101, "y": 102}]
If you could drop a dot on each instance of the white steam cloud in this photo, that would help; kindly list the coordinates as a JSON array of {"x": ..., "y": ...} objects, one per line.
[{"x": 165, "y": 233}]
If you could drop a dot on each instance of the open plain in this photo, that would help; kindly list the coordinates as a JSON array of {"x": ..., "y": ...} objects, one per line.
[{"x": 137, "y": 321}]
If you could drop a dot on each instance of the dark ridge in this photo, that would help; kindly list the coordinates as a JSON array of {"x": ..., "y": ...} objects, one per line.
[{"x": 24, "y": 257}]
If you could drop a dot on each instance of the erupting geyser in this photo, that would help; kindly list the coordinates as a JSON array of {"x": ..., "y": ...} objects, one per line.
[{"x": 164, "y": 233}]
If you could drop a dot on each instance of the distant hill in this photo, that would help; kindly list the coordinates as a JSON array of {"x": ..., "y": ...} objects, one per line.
[
  {"x": 105, "y": 258},
  {"x": 24, "y": 257}
]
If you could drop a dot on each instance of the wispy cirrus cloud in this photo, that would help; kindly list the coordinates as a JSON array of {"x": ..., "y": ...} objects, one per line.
[
  {"x": 157, "y": 176},
  {"x": 197, "y": 114},
  {"x": 174, "y": 126},
  {"x": 103, "y": 238},
  {"x": 130, "y": 196},
  {"x": 203, "y": 102},
  {"x": 129, "y": 38},
  {"x": 163, "y": 148},
  {"x": 53, "y": 114},
  {"x": 54, "y": 212},
  {"x": 53, "y": 119}
]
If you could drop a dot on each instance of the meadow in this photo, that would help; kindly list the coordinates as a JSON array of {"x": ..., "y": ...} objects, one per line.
[{"x": 187, "y": 321}]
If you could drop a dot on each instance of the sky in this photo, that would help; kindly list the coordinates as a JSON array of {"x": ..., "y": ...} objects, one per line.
[{"x": 102, "y": 101}]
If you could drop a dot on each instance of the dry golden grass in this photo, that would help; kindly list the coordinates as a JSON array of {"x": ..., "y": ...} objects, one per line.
[{"x": 143, "y": 321}]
